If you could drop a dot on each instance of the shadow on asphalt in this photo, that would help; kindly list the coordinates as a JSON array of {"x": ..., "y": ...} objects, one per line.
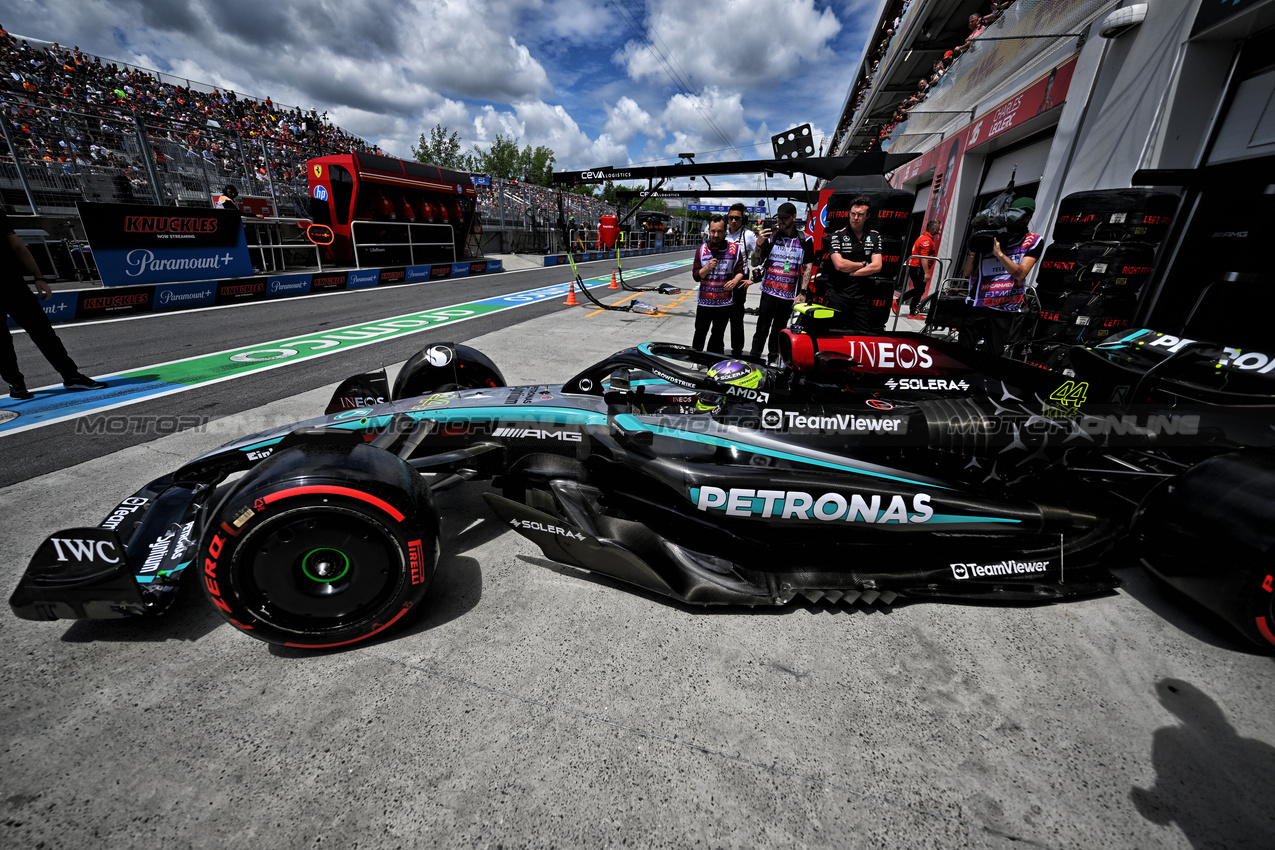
[{"x": 1216, "y": 786}]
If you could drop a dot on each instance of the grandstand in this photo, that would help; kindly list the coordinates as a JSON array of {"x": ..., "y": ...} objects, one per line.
[
  {"x": 82, "y": 127},
  {"x": 78, "y": 126}
]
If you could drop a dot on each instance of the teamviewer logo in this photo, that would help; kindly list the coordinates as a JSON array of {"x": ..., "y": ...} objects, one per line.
[
  {"x": 961, "y": 571},
  {"x": 772, "y": 417}
]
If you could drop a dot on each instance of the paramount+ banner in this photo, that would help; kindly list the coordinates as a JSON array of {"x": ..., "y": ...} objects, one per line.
[{"x": 146, "y": 244}]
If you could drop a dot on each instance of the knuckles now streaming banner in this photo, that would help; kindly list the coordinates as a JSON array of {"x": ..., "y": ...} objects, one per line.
[{"x": 135, "y": 244}]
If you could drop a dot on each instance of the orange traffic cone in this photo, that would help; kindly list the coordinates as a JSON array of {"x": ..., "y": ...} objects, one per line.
[
  {"x": 571, "y": 297},
  {"x": 613, "y": 285}
]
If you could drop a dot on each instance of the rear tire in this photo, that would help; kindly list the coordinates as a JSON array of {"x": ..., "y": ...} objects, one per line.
[{"x": 321, "y": 546}]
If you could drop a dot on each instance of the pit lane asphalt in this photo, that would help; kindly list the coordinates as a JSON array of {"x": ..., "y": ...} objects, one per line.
[
  {"x": 534, "y": 706},
  {"x": 105, "y": 347}
]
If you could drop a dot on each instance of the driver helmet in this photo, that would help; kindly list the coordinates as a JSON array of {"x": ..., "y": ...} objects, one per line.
[
  {"x": 736, "y": 373},
  {"x": 732, "y": 373}
]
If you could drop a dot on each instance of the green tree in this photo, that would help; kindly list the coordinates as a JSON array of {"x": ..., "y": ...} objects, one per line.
[
  {"x": 501, "y": 159},
  {"x": 443, "y": 148},
  {"x": 608, "y": 193},
  {"x": 537, "y": 165}
]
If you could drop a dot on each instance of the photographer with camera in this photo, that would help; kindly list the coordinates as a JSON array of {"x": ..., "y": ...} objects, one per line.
[
  {"x": 736, "y": 219},
  {"x": 788, "y": 259},
  {"x": 999, "y": 259},
  {"x": 855, "y": 255}
]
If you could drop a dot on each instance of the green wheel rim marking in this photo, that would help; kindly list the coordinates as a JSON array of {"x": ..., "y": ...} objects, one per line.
[{"x": 306, "y": 561}]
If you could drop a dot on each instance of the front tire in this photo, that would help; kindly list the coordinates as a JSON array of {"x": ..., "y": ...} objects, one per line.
[{"x": 321, "y": 546}]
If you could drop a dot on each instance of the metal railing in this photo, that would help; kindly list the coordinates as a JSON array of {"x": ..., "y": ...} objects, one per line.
[{"x": 382, "y": 243}]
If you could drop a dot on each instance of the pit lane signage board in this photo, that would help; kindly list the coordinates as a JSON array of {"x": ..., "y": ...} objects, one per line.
[{"x": 134, "y": 244}]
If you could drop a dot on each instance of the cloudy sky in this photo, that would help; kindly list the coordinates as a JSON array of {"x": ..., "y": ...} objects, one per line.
[{"x": 601, "y": 82}]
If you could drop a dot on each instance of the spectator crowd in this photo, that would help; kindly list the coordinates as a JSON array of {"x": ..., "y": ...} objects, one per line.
[
  {"x": 74, "y": 113},
  {"x": 977, "y": 24}
]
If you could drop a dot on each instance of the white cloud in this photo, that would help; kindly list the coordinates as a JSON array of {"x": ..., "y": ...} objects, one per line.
[
  {"x": 709, "y": 121},
  {"x": 626, "y": 119},
  {"x": 738, "y": 44},
  {"x": 538, "y": 123}
]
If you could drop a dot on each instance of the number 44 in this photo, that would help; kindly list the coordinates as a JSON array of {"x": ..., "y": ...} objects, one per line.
[{"x": 1070, "y": 394}]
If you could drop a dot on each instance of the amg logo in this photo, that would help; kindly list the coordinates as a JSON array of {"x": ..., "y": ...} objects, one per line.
[
  {"x": 85, "y": 550},
  {"x": 529, "y": 525},
  {"x": 1004, "y": 568},
  {"x": 538, "y": 434}
]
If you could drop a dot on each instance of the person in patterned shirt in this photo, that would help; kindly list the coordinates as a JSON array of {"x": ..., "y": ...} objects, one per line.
[
  {"x": 719, "y": 267},
  {"x": 998, "y": 283},
  {"x": 787, "y": 259}
]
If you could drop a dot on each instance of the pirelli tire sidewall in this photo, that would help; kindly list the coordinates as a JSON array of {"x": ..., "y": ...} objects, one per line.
[{"x": 266, "y": 543}]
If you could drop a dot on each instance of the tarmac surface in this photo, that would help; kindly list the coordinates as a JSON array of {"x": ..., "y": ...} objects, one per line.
[{"x": 533, "y": 705}]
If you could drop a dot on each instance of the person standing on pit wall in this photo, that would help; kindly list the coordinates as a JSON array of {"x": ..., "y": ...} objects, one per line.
[
  {"x": 21, "y": 304},
  {"x": 719, "y": 267},
  {"x": 997, "y": 287},
  {"x": 736, "y": 230},
  {"x": 855, "y": 254},
  {"x": 788, "y": 260},
  {"x": 920, "y": 267}
]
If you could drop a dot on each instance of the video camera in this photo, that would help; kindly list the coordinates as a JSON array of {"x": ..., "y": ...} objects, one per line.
[{"x": 995, "y": 222}]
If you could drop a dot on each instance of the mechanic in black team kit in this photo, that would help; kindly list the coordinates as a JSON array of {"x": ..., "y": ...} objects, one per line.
[
  {"x": 21, "y": 304},
  {"x": 855, "y": 254},
  {"x": 719, "y": 267},
  {"x": 787, "y": 260}
]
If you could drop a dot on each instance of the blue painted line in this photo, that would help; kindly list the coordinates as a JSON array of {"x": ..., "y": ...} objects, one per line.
[{"x": 52, "y": 405}]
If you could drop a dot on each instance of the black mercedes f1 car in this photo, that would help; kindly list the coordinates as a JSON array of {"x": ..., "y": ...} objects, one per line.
[{"x": 864, "y": 468}]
